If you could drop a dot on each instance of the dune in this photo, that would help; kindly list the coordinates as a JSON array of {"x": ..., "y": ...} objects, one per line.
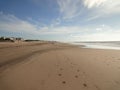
[{"x": 58, "y": 66}]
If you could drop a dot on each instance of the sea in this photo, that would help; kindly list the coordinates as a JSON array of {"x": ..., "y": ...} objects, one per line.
[{"x": 115, "y": 45}]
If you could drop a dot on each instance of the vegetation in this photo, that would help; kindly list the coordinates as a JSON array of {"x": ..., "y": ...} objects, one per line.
[
  {"x": 3, "y": 39},
  {"x": 28, "y": 40}
]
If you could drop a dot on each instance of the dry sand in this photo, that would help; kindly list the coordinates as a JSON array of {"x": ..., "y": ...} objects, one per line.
[{"x": 58, "y": 67}]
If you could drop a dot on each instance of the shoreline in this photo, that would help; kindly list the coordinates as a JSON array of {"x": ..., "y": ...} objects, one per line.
[
  {"x": 59, "y": 66},
  {"x": 98, "y": 46}
]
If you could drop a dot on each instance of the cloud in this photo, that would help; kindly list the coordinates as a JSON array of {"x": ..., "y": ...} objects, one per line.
[
  {"x": 69, "y": 8},
  {"x": 101, "y": 36},
  {"x": 90, "y": 9},
  {"x": 112, "y": 7},
  {"x": 94, "y": 3},
  {"x": 102, "y": 8},
  {"x": 11, "y": 23},
  {"x": 56, "y": 22},
  {"x": 101, "y": 33}
]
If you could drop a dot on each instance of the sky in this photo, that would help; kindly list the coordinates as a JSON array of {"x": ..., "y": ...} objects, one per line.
[{"x": 61, "y": 20}]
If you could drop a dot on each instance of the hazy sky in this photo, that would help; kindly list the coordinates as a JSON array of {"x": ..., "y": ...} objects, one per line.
[{"x": 64, "y": 20}]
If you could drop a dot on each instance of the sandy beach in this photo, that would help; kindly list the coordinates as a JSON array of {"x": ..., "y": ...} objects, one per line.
[{"x": 56, "y": 66}]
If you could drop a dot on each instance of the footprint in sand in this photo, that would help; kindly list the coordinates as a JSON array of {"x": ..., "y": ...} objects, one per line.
[
  {"x": 117, "y": 82},
  {"x": 78, "y": 70},
  {"x": 63, "y": 82},
  {"x": 84, "y": 73},
  {"x": 59, "y": 74},
  {"x": 76, "y": 76},
  {"x": 118, "y": 58},
  {"x": 97, "y": 87},
  {"x": 84, "y": 84},
  {"x": 61, "y": 68}
]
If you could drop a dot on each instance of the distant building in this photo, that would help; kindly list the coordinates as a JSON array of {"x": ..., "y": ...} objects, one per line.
[
  {"x": 17, "y": 39},
  {"x": 11, "y": 39}
]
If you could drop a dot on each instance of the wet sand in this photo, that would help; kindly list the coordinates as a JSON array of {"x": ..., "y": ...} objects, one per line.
[{"x": 58, "y": 67}]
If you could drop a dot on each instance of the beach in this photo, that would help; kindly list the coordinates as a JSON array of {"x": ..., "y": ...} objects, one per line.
[{"x": 58, "y": 66}]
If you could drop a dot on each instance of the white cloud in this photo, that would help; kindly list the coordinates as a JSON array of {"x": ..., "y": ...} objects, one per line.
[
  {"x": 103, "y": 37},
  {"x": 102, "y": 8},
  {"x": 55, "y": 22},
  {"x": 93, "y": 17},
  {"x": 106, "y": 36},
  {"x": 69, "y": 8},
  {"x": 97, "y": 33},
  {"x": 103, "y": 5},
  {"x": 93, "y": 3},
  {"x": 10, "y": 23},
  {"x": 112, "y": 6}
]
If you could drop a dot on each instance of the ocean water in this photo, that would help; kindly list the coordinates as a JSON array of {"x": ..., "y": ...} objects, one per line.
[{"x": 100, "y": 45}]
